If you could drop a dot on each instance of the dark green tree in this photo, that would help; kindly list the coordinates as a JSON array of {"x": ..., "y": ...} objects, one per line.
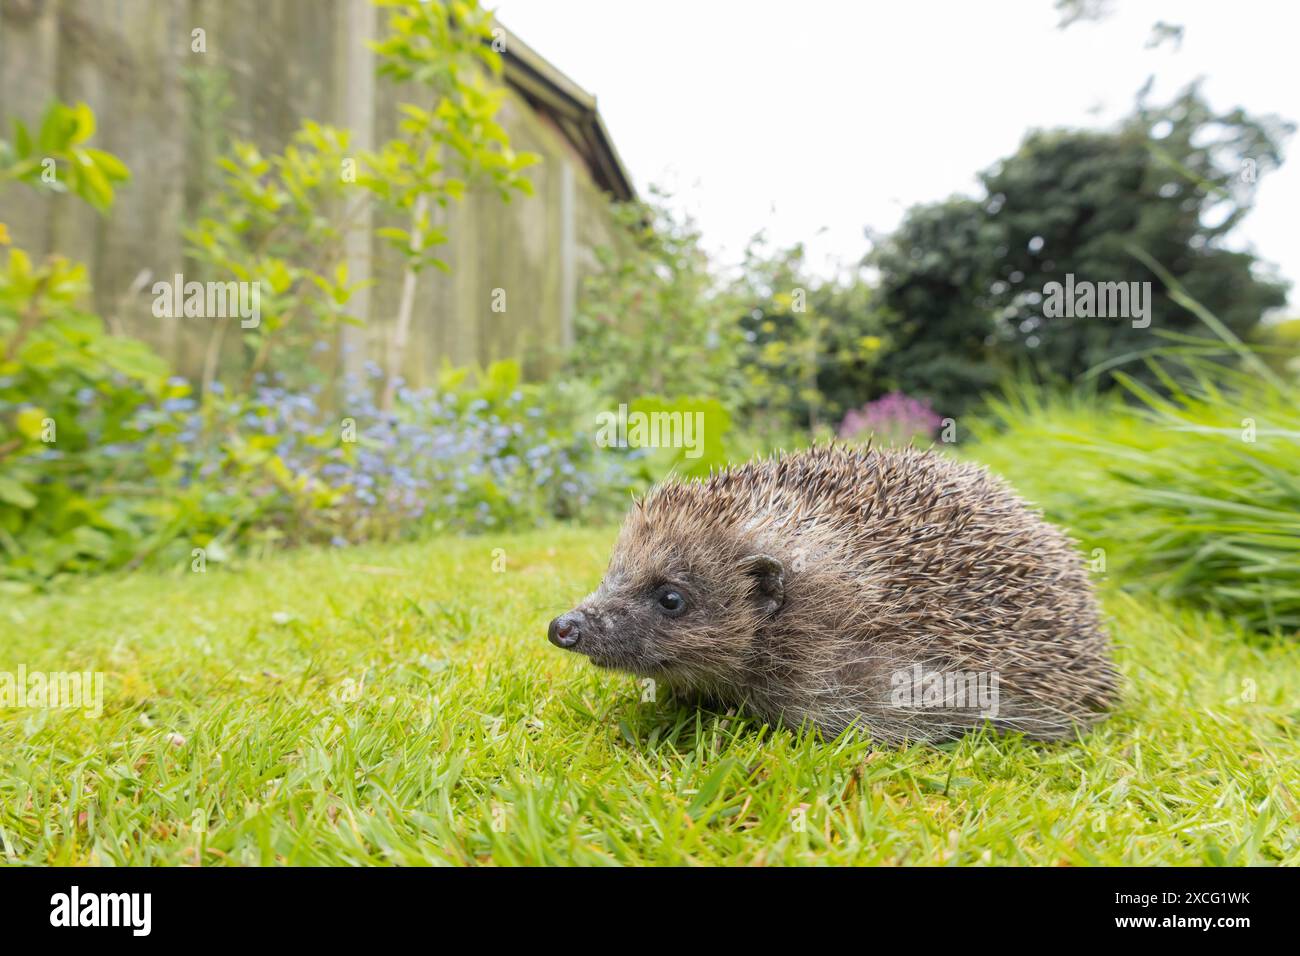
[
  {"x": 964, "y": 282},
  {"x": 1172, "y": 182},
  {"x": 935, "y": 274}
]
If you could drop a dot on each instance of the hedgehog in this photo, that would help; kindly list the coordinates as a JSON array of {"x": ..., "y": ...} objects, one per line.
[{"x": 895, "y": 590}]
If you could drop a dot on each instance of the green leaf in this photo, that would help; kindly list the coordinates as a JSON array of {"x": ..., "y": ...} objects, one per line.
[
  {"x": 11, "y": 492},
  {"x": 112, "y": 167},
  {"x": 83, "y": 124},
  {"x": 31, "y": 422}
]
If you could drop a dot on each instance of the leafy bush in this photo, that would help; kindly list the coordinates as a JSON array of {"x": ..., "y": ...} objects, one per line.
[
  {"x": 68, "y": 389},
  {"x": 277, "y": 467},
  {"x": 812, "y": 343},
  {"x": 1193, "y": 494},
  {"x": 57, "y": 158},
  {"x": 962, "y": 281},
  {"x": 68, "y": 456},
  {"x": 282, "y": 220},
  {"x": 106, "y": 462},
  {"x": 653, "y": 320},
  {"x": 473, "y": 453}
]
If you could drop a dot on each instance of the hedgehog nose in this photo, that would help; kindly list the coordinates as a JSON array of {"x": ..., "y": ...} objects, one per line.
[{"x": 565, "y": 629}]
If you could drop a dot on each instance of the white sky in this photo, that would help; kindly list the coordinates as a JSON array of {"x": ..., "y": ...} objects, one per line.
[{"x": 813, "y": 119}]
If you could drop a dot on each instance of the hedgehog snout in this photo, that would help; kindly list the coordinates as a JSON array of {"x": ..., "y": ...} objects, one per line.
[{"x": 566, "y": 629}]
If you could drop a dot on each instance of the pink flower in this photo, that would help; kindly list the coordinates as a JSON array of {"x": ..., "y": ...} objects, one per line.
[{"x": 894, "y": 419}]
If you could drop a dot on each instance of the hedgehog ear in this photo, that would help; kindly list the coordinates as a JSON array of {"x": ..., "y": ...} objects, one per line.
[{"x": 769, "y": 580}]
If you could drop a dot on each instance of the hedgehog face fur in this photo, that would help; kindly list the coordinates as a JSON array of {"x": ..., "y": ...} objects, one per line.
[
  {"x": 674, "y": 608},
  {"x": 841, "y": 587}
]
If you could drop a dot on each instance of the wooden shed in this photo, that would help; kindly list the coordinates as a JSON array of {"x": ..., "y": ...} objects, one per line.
[{"x": 269, "y": 64}]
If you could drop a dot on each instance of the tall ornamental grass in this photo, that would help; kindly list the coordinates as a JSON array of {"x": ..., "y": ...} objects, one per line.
[{"x": 1190, "y": 490}]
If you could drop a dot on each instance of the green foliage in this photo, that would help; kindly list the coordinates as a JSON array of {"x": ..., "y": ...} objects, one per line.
[
  {"x": 934, "y": 276},
  {"x": 659, "y": 333},
  {"x": 653, "y": 320},
  {"x": 57, "y": 157},
  {"x": 441, "y": 46},
  {"x": 1171, "y": 182},
  {"x": 148, "y": 481},
  {"x": 1279, "y": 345},
  {"x": 283, "y": 219},
  {"x": 710, "y": 449},
  {"x": 1193, "y": 495},
  {"x": 271, "y": 224},
  {"x": 659, "y": 328},
  {"x": 106, "y": 462},
  {"x": 963, "y": 281},
  {"x": 813, "y": 344},
  {"x": 68, "y": 389}
]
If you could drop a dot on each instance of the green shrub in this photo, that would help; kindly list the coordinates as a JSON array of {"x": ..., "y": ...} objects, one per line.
[
  {"x": 282, "y": 220},
  {"x": 56, "y": 158},
  {"x": 277, "y": 467},
  {"x": 1193, "y": 494},
  {"x": 67, "y": 393},
  {"x": 68, "y": 389},
  {"x": 653, "y": 320}
]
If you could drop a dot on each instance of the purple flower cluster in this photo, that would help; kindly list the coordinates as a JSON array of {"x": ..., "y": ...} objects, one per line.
[{"x": 894, "y": 419}]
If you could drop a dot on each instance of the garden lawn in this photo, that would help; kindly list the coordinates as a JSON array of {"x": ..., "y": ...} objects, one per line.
[{"x": 400, "y": 704}]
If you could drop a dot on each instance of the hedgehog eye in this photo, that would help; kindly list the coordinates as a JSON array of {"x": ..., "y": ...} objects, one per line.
[{"x": 671, "y": 601}]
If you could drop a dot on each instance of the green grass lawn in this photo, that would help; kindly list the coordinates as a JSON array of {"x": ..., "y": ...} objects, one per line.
[{"x": 401, "y": 705}]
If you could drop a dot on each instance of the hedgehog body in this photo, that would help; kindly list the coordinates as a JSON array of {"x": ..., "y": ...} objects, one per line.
[{"x": 896, "y": 590}]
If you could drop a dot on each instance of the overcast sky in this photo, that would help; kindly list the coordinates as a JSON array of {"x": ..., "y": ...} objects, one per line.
[{"x": 814, "y": 119}]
